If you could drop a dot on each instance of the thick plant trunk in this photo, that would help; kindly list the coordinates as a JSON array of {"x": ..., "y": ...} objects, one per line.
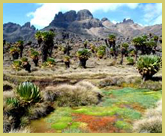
[
  {"x": 27, "y": 67},
  {"x": 67, "y": 64},
  {"x": 15, "y": 55},
  {"x": 44, "y": 51},
  {"x": 35, "y": 62},
  {"x": 82, "y": 63},
  {"x": 122, "y": 55},
  {"x": 136, "y": 54},
  {"x": 21, "y": 50}
]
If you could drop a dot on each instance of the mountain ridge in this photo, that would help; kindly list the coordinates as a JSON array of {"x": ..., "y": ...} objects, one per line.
[{"x": 81, "y": 24}]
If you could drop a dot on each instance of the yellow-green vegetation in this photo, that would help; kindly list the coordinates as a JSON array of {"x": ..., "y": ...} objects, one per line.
[
  {"x": 33, "y": 53},
  {"x": 66, "y": 59},
  {"x": 49, "y": 63},
  {"x": 14, "y": 49},
  {"x": 17, "y": 65}
]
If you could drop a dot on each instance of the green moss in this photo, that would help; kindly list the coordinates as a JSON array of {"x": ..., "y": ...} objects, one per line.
[
  {"x": 122, "y": 125},
  {"x": 73, "y": 130},
  {"x": 63, "y": 113},
  {"x": 59, "y": 125},
  {"x": 81, "y": 110},
  {"x": 65, "y": 119},
  {"x": 129, "y": 113},
  {"x": 75, "y": 125},
  {"x": 143, "y": 97}
]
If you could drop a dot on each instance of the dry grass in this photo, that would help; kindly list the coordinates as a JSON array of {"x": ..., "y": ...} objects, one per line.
[
  {"x": 83, "y": 93},
  {"x": 39, "y": 110},
  {"x": 8, "y": 94},
  {"x": 152, "y": 121},
  {"x": 25, "y": 130}
]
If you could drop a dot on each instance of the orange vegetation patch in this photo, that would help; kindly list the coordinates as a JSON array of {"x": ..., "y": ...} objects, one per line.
[
  {"x": 138, "y": 107},
  {"x": 98, "y": 124}
]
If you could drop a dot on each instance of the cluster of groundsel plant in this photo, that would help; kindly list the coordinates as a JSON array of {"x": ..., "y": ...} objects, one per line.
[
  {"x": 101, "y": 51},
  {"x": 83, "y": 54},
  {"x": 148, "y": 65}
]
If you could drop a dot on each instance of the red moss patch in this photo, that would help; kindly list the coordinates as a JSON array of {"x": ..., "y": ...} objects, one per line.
[{"x": 98, "y": 124}]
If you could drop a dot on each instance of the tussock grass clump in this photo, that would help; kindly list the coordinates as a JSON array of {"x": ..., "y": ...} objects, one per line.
[
  {"x": 83, "y": 93},
  {"x": 39, "y": 110},
  {"x": 152, "y": 121}
]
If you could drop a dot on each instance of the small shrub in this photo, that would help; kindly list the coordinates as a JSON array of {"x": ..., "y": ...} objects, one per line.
[
  {"x": 100, "y": 53},
  {"x": 17, "y": 65},
  {"x": 130, "y": 61},
  {"x": 24, "y": 59}
]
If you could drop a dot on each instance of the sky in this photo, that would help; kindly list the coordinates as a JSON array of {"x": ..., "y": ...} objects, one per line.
[{"x": 41, "y": 14}]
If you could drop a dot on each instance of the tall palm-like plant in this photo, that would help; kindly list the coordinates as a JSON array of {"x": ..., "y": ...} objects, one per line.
[
  {"x": 112, "y": 43},
  {"x": 38, "y": 37},
  {"x": 139, "y": 43},
  {"x": 124, "y": 51},
  {"x": 14, "y": 51},
  {"x": 83, "y": 55},
  {"x": 19, "y": 44},
  {"x": 46, "y": 38},
  {"x": 35, "y": 56}
]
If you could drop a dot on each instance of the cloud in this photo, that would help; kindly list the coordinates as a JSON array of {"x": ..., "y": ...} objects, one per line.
[
  {"x": 153, "y": 13},
  {"x": 46, "y": 12}
]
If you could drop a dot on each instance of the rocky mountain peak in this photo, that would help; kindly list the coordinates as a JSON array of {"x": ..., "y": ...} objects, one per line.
[
  {"x": 84, "y": 14},
  {"x": 27, "y": 25},
  {"x": 104, "y": 19},
  {"x": 130, "y": 21}
]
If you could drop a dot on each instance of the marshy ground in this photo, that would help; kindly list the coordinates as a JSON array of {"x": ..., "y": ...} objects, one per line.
[{"x": 125, "y": 98}]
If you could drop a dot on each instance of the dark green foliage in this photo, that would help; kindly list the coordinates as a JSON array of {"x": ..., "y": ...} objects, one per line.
[
  {"x": 148, "y": 65},
  {"x": 13, "y": 101},
  {"x": 28, "y": 92}
]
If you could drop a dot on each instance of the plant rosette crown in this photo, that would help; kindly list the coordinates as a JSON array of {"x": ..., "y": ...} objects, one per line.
[
  {"x": 83, "y": 54},
  {"x": 28, "y": 92},
  {"x": 14, "y": 50},
  {"x": 148, "y": 65},
  {"x": 66, "y": 59}
]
